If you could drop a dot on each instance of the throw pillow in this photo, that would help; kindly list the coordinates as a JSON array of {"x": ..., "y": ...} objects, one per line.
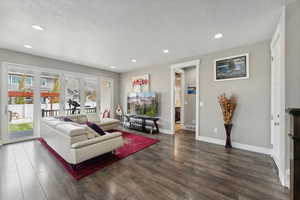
[
  {"x": 95, "y": 127},
  {"x": 90, "y": 132},
  {"x": 66, "y": 119},
  {"x": 81, "y": 119},
  {"x": 93, "y": 118}
]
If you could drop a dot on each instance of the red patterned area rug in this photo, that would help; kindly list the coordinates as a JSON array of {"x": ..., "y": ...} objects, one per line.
[{"x": 133, "y": 144}]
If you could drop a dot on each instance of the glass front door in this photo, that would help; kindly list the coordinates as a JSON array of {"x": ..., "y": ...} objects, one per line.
[
  {"x": 90, "y": 95},
  {"x": 20, "y": 107},
  {"x": 106, "y": 87},
  {"x": 50, "y": 89},
  {"x": 29, "y": 94},
  {"x": 72, "y": 95}
]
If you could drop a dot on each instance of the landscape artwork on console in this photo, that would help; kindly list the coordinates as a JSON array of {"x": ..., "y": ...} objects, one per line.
[
  {"x": 232, "y": 68},
  {"x": 142, "y": 103},
  {"x": 140, "y": 83}
]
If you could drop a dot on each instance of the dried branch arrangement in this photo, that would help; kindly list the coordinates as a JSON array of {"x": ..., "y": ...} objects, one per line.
[{"x": 228, "y": 106}]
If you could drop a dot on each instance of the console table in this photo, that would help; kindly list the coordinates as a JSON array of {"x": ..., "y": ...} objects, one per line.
[
  {"x": 142, "y": 123},
  {"x": 295, "y": 154}
]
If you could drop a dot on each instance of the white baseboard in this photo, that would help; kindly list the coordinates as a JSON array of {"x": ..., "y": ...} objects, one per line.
[
  {"x": 247, "y": 147},
  {"x": 283, "y": 174},
  {"x": 165, "y": 131},
  {"x": 188, "y": 127},
  {"x": 287, "y": 178},
  {"x": 284, "y": 177}
]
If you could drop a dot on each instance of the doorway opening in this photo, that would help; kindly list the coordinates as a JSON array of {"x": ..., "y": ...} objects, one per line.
[
  {"x": 179, "y": 100},
  {"x": 185, "y": 98}
]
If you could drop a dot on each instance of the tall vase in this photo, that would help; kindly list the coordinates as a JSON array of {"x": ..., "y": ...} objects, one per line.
[{"x": 228, "y": 128}]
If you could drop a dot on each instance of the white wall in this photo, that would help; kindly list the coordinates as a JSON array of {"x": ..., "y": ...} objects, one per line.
[
  {"x": 292, "y": 65},
  {"x": 293, "y": 55},
  {"x": 251, "y": 121}
]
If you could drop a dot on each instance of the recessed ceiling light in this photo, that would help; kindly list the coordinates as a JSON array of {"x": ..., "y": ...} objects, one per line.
[
  {"x": 166, "y": 51},
  {"x": 37, "y": 27},
  {"x": 133, "y": 60},
  {"x": 113, "y": 67},
  {"x": 218, "y": 35},
  {"x": 27, "y": 46}
]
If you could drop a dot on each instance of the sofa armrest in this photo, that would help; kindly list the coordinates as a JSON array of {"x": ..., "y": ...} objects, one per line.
[{"x": 99, "y": 139}]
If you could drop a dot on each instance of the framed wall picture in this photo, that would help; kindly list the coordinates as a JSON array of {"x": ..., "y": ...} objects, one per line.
[
  {"x": 232, "y": 68},
  {"x": 191, "y": 90},
  {"x": 141, "y": 83}
]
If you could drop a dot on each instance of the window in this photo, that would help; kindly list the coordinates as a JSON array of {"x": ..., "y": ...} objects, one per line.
[
  {"x": 50, "y": 94},
  {"x": 72, "y": 95},
  {"x": 106, "y": 98},
  {"x": 15, "y": 79},
  {"x": 90, "y": 95},
  {"x": 43, "y": 82},
  {"x": 20, "y": 104},
  {"x": 9, "y": 79},
  {"x": 28, "y": 81}
]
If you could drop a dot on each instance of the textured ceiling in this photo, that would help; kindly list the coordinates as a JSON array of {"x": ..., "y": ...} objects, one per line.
[{"x": 101, "y": 33}]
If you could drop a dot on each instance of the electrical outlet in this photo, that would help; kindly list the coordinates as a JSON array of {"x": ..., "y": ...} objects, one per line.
[{"x": 215, "y": 130}]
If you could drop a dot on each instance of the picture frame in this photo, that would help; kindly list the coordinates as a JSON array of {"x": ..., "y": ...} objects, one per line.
[
  {"x": 232, "y": 68},
  {"x": 191, "y": 90},
  {"x": 141, "y": 83}
]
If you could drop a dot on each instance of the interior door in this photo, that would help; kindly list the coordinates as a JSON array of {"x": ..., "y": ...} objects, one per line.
[{"x": 276, "y": 97}]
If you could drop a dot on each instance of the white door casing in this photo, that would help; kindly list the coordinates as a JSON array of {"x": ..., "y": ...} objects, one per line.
[
  {"x": 275, "y": 99},
  {"x": 278, "y": 135},
  {"x": 182, "y": 98},
  {"x": 175, "y": 67},
  {"x": 6, "y": 67}
]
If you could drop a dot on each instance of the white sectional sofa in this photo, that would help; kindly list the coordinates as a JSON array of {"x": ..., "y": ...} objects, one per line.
[
  {"x": 105, "y": 123},
  {"x": 76, "y": 142}
]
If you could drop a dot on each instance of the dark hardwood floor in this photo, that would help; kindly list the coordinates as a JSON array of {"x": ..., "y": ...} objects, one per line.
[{"x": 176, "y": 168}]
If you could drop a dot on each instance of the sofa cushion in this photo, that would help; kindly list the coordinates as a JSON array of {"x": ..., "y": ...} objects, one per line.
[
  {"x": 108, "y": 121},
  {"x": 90, "y": 132},
  {"x": 81, "y": 119},
  {"x": 95, "y": 127},
  {"x": 93, "y": 117},
  {"x": 67, "y": 119},
  {"x": 78, "y": 138},
  {"x": 70, "y": 129},
  {"x": 50, "y": 119},
  {"x": 53, "y": 123},
  {"x": 97, "y": 140}
]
